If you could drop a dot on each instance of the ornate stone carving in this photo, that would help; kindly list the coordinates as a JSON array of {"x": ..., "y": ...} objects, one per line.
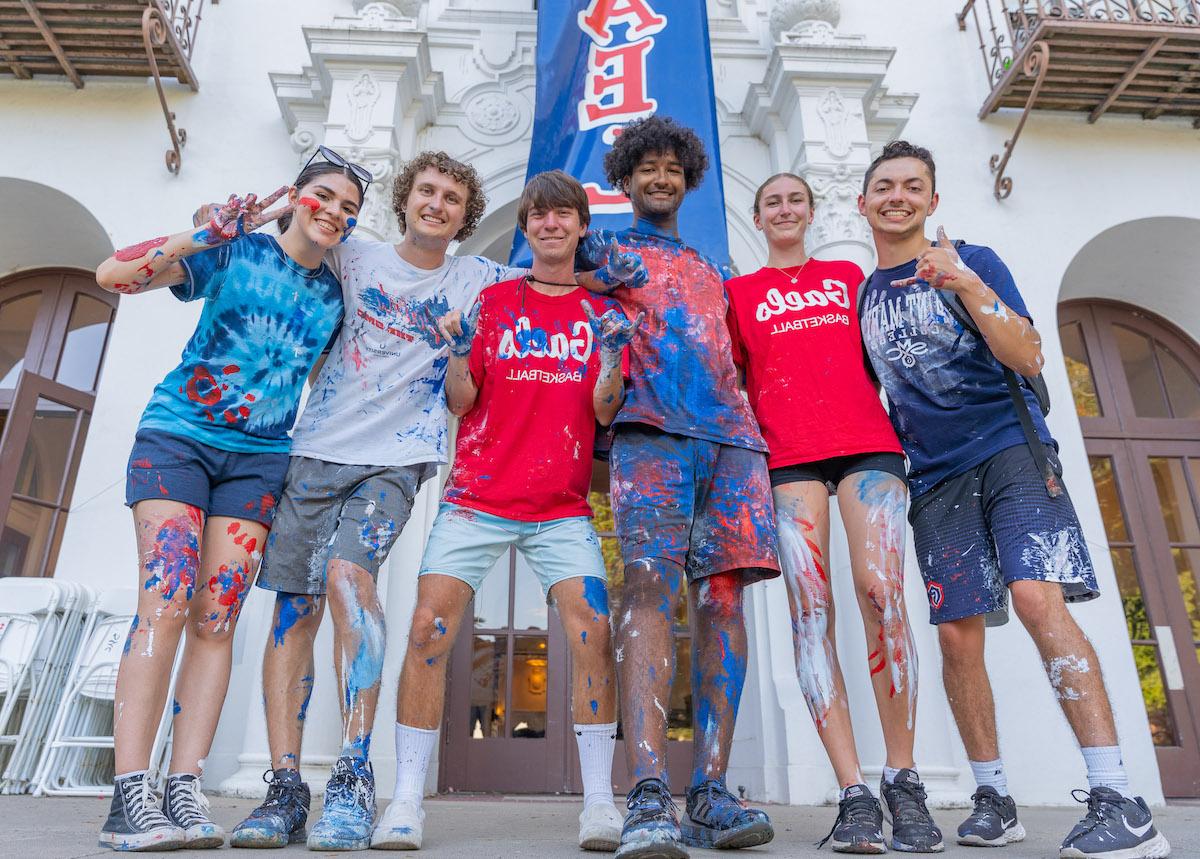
[
  {"x": 362, "y": 97},
  {"x": 303, "y": 141},
  {"x": 834, "y": 113},
  {"x": 492, "y": 113},
  {"x": 808, "y": 21},
  {"x": 376, "y": 216},
  {"x": 837, "y": 218},
  {"x": 385, "y": 14}
]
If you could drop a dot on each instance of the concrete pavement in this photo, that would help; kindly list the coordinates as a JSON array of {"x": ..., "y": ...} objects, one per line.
[{"x": 531, "y": 828}]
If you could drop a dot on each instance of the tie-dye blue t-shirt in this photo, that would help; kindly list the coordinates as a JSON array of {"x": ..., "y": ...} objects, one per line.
[
  {"x": 265, "y": 321},
  {"x": 946, "y": 392}
]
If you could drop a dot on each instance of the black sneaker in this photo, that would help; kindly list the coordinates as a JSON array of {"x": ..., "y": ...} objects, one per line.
[
  {"x": 280, "y": 820},
  {"x": 651, "y": 829},
  {"x": 859, "y": 824},
  {"x": 186, "y": 806},
  {"x": 913, "y": 829},
  {"x": 1115, "y": 827},
  {"x": 135, "y": 821},
  {"x": 348, "y": 815},
  {"x": 993, "y": 823},
  {"x": 718, "y": 820}
]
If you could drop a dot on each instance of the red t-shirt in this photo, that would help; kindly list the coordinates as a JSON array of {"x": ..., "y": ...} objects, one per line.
[
  {"x": 801, "y": 350},
  {"x": 524, "y": 451}
]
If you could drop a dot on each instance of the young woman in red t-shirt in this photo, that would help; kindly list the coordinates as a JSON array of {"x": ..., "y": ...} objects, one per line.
[{"x": 796, "y": 338}]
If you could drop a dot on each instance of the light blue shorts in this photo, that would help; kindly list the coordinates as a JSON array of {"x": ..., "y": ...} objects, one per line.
[{"x": 466, "y": 544}]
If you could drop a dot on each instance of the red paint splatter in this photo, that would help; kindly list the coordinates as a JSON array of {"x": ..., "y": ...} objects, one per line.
[
  {"x": 232, "y": 368},
  {"x": 202, "y": 388},
  {"x": 136, "y": 252},
  {"x": 230, "y": 417},
  {"x": 310, "y": 202},
  {"x": 142, "y": 463},
  {"x": 233, "y": 528},
  {"x": 250, "y": 398},
  {"x": 265, "y": 505}
]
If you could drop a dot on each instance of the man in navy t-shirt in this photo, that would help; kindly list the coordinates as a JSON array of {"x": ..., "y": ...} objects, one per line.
[{"x": 985, "y": 524}]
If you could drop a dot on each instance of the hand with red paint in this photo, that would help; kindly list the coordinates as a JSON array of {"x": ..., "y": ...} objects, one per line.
[
  {"x": 941, "y": 267},
  {"x": 240, "y": 215}
]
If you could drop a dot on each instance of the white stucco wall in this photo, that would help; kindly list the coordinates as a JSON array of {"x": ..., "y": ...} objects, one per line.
[{"x": 103, "y": 148}]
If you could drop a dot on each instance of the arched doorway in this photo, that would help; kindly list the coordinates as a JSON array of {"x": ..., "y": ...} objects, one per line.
[
  {"x": 54, "y": 327},
  {"x": 1135, "y": 380}
]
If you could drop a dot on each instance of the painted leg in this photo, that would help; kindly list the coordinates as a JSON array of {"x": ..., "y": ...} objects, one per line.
[
  {"x": 872, "y": 507},
  {"x": 802, "y": 514},
  {"x": 359, "y": 638},
  {"x": 288, "y": 672},
  {"x": 582, "y": 606},
  {"x": 441, "y": 601}
]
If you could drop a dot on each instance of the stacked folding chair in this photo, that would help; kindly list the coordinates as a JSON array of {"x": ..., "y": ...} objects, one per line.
[
  {"x": 42, "y": 623},
  {"x": 78, "y": 755}
]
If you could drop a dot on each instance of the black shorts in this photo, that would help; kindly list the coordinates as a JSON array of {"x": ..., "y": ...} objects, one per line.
[{"x": 834, "y": 470}]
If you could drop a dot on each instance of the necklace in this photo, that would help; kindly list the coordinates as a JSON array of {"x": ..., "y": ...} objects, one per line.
[
  {"x": 792, "y": 277},
  {"x": 532, "y": 279}
]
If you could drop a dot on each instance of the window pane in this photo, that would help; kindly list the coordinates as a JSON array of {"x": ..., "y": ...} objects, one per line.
[
  {"x": 1182, "y": 390},
  {"x": 491, "y": 600},
  {"x": 24, "y": 538},
  {"x": 1154, "y": 693},
  {"x": 1079, "y": 371},
  {"x": 47, "y": 451},
  {"x": 1187, "y": 563},
  {"x": 679, "y": 713},
  {"x": 488, "y": 677},
  {"x": 529, "y": 602},
  {"x": 1174, "y": 499},
  {"x": 1141, "y": 373},
  {"x": 16, "y": 325},
  {"x": 1136, "y": 618},
  {"x": 1110, "y": 501},
  {"x": 530, "y": 666},
  {"x": 87, "y": 330}
]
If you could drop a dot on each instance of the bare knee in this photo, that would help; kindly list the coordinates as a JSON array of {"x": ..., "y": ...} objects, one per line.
[
  {"x": 1038, "y": 604},
  {"x": 428, "y": 637},
  {"x": 719, "y": 597},
  {"x": 884, "y": 598},
  {"x": 296, "y": 614},
  {"x": 962, "y": 641}
]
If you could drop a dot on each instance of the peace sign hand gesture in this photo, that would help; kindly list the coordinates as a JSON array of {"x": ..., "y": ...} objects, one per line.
[
  {"x": 941, "y": 267},
  {"x": 241, "y": 215}
]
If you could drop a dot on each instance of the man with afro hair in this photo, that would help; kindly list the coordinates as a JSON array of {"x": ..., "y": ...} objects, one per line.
[{"x": 691, "y": 499}]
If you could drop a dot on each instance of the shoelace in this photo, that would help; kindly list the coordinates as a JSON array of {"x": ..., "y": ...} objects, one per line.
[
  {"x": 278, "y": 793},
  {"x": 988, "y": 802},
  {"x": 715, "y": 793},
  {"x": 910, "y": 806},
  {"x": 1100, "y": 808},
  {"x": 346, "y": 784},
  {"x": 189, "y": 805},
  {"x": 142, "y": 803},
  {"x": 651, "y": 792},
  {"x": 856, "y": 809}
]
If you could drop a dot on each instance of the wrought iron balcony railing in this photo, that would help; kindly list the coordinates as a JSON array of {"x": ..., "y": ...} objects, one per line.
[
  {"x": 124, "y": 38},
  {"x": 1095, "y": 56}
]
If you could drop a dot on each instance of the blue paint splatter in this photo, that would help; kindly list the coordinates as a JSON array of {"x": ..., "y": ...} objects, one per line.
[
  {"x": 595, "y": 592},
  {"x": 583, "y": 636},
  {"x": 595, "y": 706},
  {"x": 175, "y": 708},
  {"x": 289, "y": 608},
  {"x": 133, "y": 627},
  {"x": 307, "y": 682}
]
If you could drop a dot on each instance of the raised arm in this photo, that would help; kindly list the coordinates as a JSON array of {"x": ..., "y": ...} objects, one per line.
[
  {"x": 1011, "y": 337},
  {"x": 614, "y": 332},
  {"x": 156, "y": 262},
  {"x": 459, "y": 333}
]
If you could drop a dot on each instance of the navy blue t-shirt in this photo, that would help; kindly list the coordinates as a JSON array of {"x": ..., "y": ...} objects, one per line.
[{"x": 946, "y": 391}]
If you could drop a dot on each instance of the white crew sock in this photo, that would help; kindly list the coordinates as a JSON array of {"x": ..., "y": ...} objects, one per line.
[
  {"x": 1105, "y": 769},
  {"x": 413, "y": 748},
  {"x": 890, "y": 773},
  {"x": 596, "y": 746},
  {"x": 990, "y": 774}
]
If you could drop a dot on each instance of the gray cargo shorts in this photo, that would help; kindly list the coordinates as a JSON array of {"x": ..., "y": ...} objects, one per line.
[{"x": 349, "y": 512}]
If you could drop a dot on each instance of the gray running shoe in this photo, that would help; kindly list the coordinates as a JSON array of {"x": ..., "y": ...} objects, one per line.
[
  {"x": 186, "y": 806},
  {"x": 859, "y": 824},
  {"x": 135, "y": 822},
  {"x": 1114, "y": 828},
  {"x": 280, "y": 820},
  {"x": 913, "y": 829},
  {"x": 651, "y": 829},
  {"x": 993, "y": 823},
  {"x": 718, "y": 820}
]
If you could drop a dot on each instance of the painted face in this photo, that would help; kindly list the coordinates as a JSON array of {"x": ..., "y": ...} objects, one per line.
[
  {"x": 554, "y": 233},
  {"x": 437, "y": 205},
  {"x": 899, "y": 198},
  {"x": 657, "y": 185},
  {"x": 784, "y": 211},
  {"x": 326, "y": 224}
]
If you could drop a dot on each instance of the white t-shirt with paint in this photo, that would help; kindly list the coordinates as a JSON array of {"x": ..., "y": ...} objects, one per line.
[{"x": 380, "y": 398}]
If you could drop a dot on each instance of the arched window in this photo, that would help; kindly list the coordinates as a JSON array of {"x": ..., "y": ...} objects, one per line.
[{"x": 54, "y": 327}]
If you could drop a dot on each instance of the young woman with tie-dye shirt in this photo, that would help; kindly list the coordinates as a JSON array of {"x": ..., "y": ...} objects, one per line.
[{"x": 207, "y": 467}]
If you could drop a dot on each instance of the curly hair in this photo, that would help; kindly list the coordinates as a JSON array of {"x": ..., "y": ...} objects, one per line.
[
  {"x": 464, "y": 174},
  {"x": 655, "y": 134},
  {"x": 903, "y": 149}
]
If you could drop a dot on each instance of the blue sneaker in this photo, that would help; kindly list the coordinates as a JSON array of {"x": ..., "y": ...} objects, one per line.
[
  {"x": 280, "y": 820},
  {"x": 717, "y": 819},
  {"x": 913, "y": 829},
  {"x": 651, "y": 830},
  {"x": 349, "y": 813},
  {"x": 1114, "y": 828}
]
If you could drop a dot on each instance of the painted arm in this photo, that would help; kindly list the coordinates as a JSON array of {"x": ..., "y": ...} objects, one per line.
[
  {"x": 156, "y": 262},
  {"x": 1011, "y": 337},
  {"x": 459, "y": 333},
  {"x": 614, "y": 332},
  {"x": 602, "y": 267}
]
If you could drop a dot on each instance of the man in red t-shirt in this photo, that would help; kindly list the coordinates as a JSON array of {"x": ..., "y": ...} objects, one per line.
[{"x": 533, "y": 366}]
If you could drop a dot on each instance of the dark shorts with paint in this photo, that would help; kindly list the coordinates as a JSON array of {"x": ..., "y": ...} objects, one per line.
[
  {"x": 218, "y": 482},
  {"x": 834, "y": 470},
  {"x": 699, "y": 504},
  {"x": 330, "y": 511},
  {"x": 977, "y": 533}
]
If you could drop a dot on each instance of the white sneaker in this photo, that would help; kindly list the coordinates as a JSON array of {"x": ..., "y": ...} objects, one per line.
[
  {"x": 600, "y": 826},
  {"x": 399, "y": 827}
]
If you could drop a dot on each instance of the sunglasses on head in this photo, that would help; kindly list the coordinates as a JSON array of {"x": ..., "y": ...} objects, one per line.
[{"x": 363, "y": 174}]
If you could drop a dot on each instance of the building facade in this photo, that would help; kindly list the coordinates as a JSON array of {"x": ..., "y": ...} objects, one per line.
[{"x": 1098, "y": 226}]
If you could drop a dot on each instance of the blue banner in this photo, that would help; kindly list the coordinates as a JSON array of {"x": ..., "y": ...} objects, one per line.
[{"x": 604, "y": 63}]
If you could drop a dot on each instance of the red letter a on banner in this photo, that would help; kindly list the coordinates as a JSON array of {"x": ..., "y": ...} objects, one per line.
[{"x": 641, "y": 18}]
